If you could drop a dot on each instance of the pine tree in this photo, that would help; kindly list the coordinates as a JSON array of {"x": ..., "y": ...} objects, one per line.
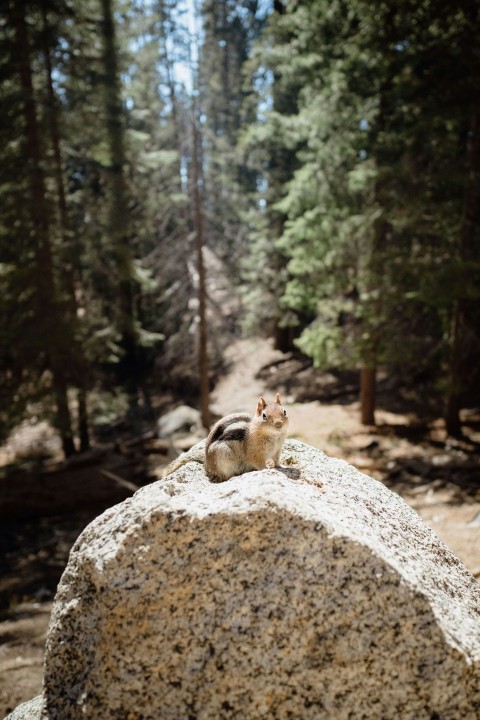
[
  {"x": 228, "y": 32},
  {"x": 271, "y": 149},
  {"x": 53, "y": 115},
  {"x": 41, "y": 317},
  {"x": 377, "y": 147}
]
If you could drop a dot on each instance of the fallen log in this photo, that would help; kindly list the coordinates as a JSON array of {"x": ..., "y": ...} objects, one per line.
[{"x": 82, "y": 483}]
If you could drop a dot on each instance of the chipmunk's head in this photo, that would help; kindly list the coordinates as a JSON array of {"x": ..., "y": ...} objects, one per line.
[{"x": 272, "y": 414}]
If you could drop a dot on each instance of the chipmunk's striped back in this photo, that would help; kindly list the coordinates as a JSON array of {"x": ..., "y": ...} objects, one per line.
[
  {"x": 224, "y": 450},
  {"x": 231, "y": 427}
]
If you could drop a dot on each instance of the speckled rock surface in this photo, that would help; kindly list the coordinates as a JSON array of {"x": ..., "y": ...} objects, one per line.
[
  {"x": 30, "y": 710},
  {"x": 308, "y": 592}
]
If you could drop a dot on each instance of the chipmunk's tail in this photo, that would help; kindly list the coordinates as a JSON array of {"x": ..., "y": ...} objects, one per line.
[{"x": 193, "y": 455}]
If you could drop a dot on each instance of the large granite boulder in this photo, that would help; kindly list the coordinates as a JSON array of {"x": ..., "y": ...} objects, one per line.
[{"x": 305, "y": 592}]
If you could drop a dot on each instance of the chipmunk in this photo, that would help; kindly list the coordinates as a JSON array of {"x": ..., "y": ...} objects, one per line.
[{"x": 241, "y": 442}]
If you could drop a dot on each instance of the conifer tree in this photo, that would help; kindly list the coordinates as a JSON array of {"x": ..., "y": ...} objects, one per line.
[
  {"x": 271, "y": 148},
  {"x": 48, "y": 334},
  {"x": 228, "y": 31},
  {"x": 53, "y": 116},
  {"x": 373, "y": 137},
  {"x": 119, "y": 218}
]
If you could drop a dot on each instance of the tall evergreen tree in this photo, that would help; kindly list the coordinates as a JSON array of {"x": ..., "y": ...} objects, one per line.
[
  {"x": 271, "y": 149},
  {"x": 119, "y": 226},
  {"x": 41, "y": 317},
  {"x": 464, "y": 359},
  {"x": 53, "y": 116},
  {"x": 372, "y": 122},
  {"x": 228, "y": 32}
]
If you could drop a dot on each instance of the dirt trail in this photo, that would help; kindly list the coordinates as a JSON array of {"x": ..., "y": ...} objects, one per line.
[
  {"x": 22, "y": 643},
  {"x": 239, "y": 389}
]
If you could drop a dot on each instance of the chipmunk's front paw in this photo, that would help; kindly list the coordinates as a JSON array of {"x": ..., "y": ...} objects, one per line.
[{"x": 271, "y": 464}]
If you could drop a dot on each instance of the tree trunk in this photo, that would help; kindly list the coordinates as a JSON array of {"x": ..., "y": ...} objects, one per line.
[
  {"x": 467, "y": 252},
  {"x": 119, "y": 217},
  {"x": 368, "y": 372},
  {"x": 64, "y": 420},
  {"x": 203, "y": 364},
  {"x": 83, "y": 425},
  {"x": 367, "y": 395},
  {"x": 47, "y": 307},
  {"x": 226, "y": 105},
  {"x": 68, "y": 271},
  {"x": 52, "y": 115},
  {"x": 452, "y": 405},
  {"x": 375, "y": 271},
  {"x": 283, "y": 338},
  {"x": 169, "y": 64}
]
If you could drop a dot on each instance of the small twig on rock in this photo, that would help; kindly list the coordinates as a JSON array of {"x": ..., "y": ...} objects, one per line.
[{"x": 119, "y": 480}]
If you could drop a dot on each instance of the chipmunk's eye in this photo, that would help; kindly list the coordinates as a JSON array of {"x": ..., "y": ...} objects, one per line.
[
  {"x": 285, "y": 413},
  {"x": 264, "y": 416}
]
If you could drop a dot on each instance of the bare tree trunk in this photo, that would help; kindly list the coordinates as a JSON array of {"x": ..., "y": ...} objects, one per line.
[
  {"x": 119, "y": 218},
  {"x": 64, "y": 420},
  {"x": 203, "y": 364},
  {"x": 452, "y": 405},
  {"x": 467, "y": 252},
  {"x": 375, "y": 269},
  {"x": 198, "y": 228},
  {"x": 83, "y": 426},
  {"x": 46, "y": 302},
  {"x": 367, "y": 395},
  {"x": 168, "y": 64},
  {"x": 368, "y": 371},
  {"x": 227, "y": 119},
  {"x": 57, "y": 160}
]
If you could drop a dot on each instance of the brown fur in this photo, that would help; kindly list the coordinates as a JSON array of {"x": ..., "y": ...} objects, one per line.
[{"x": 240, "y": 443}]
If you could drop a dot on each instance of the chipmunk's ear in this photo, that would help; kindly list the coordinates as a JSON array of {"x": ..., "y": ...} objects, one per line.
[
  {"x": 260, "y": 405},
  {"x": 277, "y": 399}
]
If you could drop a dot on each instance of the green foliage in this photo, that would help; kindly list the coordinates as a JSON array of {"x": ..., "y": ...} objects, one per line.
[
  {"x": 339, "y": 182},
  {"x": 370, "y": 103},
  {"x": 84, "y": 325}
]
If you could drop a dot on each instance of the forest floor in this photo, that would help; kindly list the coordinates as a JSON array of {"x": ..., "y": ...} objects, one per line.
[{"x": 407, "y": 450}]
